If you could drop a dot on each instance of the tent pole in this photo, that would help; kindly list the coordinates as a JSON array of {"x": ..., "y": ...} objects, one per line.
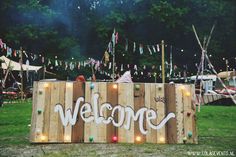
[
  {"x": 163, "y": 60},
  {"x": 21, "y": 70}
]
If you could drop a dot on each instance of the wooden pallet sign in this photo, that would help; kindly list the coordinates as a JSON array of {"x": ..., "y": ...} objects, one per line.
[{"x": 105, "y": 112}]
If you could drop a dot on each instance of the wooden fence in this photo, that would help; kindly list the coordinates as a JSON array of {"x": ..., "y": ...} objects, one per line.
[{"x": 123, "y": 113}]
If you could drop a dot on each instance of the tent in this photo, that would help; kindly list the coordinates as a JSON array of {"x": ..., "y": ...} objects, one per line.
[
  {"x": 204, "y": 77},
  {"x": 226, "y": 74},
  {"x": 16, "y": 66}
]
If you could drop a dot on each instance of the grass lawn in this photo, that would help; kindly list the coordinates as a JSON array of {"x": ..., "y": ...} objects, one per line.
[{"x": 216, "y": 129}]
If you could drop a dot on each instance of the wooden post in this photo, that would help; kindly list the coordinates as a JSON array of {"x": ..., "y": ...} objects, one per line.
[
  {"x": 163, "y": 60},
  {"x": 44, "y": 71},
  {"x": 21, "y": 71}
]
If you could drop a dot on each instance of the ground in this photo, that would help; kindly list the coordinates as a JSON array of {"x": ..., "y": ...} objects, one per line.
[{"x": 216, "y": 128}]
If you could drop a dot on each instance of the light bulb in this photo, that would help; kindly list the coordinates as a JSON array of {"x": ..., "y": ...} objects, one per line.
[
  {"x": 138, "y": 139},
  {"x": 114, "y": 86}
]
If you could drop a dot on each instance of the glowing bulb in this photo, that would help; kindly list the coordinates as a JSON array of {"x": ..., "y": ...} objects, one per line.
[
  {"x": 114, "y": 86},
  {"x": 162, "y": 139},
  {"x": 46, "y": 85},
  {"x": 67, "y": 138},
  {"x": 187, "y": 94},
  {"x": 114, "y": 139},
  {"x": 138, "y": 139},
  {"x": 43, "y": 137}
]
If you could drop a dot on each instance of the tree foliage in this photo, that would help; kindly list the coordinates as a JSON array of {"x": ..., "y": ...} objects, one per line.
[{"x": 75, "y": 27}]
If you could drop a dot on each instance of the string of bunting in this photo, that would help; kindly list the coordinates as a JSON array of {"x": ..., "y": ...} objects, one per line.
[{"x": 103, "y": 67}]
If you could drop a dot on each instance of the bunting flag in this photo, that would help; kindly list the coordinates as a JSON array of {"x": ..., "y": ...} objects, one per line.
[
  {"x": 109, "y": 65},
  {"x": 49, "y": 62},
  {"x": 117, "y": 37},
  {"x": 149, "y": 49},
  {"x": 1, "y": 44},
  {"x": 106, "y": 55},
  {"x": 158, "y": 48},
  {"x": 121, "y": 67},
  {"x": 126, "y": 44},
  {"x": 114, "y": 37},
  {"x": 110, "y": 47},
  {"x": 72, "y": 66},
  {"x": 134, "y": 49},
  {"x": 154, "y": 49},
  {"x": 56, "y": 63},
  {"x": 97, "y": 65},
  {"x": 140, "y": 49},
  {"x": 66, "y": 65},
  {"x": 14, "y": 53},
  {"x": 43, "y": 60}
]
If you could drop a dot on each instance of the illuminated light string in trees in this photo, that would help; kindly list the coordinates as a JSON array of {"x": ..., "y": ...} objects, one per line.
[{"x": 126, "y": 113}]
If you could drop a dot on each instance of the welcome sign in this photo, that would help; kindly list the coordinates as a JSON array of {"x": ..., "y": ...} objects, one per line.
[{"x": 109, "y": 112}]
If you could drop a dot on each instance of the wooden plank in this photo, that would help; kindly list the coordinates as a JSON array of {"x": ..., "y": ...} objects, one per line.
[
  {"x": 160, "y": 104},
  {"x": 194, "y": 117},
  {"x": 34, "y": 113},
  {"x": 68, "y": 106},
  {"x": 102, "y": 128},
  {"x": 47, "y": 112},
  {"x": 78, "y": 128},
  {"x": 150, "y": 94},
  {"x": 112, "y": 98},
  {"x": 139, "y": 102},
  {"x": 125, "y": 98},
  {"x": 149, "y": 136},
  {"x": 188, "y": 113},
  {"x": 171, "y": 107},
  {"x": 179, "y": 112},
  {"x": 40, "y": 136},
  {"x": 56, "y": 130},
  {"x": 88, "y": 95}
]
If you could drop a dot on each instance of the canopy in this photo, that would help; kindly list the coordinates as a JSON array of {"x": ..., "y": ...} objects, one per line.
[
  {"x": 226, "y": 74},
  {"x": 16, "y": 66},
  {"x": 204, "y": 77}
]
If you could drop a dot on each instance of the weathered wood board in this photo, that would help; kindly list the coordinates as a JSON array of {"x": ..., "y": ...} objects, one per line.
[{"x": 117, "y": 112}]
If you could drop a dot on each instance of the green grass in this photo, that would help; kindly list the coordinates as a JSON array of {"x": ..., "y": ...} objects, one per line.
[
  {"x": 217, "y": 121},
  {"x": 14, "y": 121},
  {"x": 216, "y": 129}
]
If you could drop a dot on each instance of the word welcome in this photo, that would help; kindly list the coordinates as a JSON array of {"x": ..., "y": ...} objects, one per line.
[{"x": 126, "y": 114}]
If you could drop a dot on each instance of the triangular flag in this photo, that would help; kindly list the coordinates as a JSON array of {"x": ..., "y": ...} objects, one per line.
[
  {"x": 126, "y": 44},
  {"x": 154, "y": 49},
  {"x": 140, "y": 49},
  {"x": 149, "y": 49},
  {"x": 158, "y": 48},
  {"x": 134, "y": 49}
]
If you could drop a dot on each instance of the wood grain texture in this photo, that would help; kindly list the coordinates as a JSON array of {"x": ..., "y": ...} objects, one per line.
[
  {"x": 179, "y": 112},
  {"x": 125, "y": 97},
  {"x": 139, "y": 101},
  {"x": 78, "y": 128},
  {"x": 171, "y": 107},
  {"x": 112, "y": 98},
  {"x": 34, "y": 113}
]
